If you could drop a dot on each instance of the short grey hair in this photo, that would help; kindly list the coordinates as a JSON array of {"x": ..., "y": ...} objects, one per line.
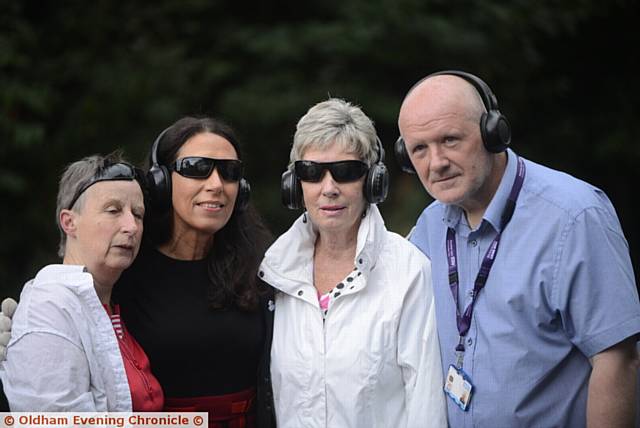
[
  {"x": 336, "y": 121},
  {"x": 73, "y": 178}
]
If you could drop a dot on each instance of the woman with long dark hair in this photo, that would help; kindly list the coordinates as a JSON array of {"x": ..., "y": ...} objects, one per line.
[{"x": 192, "y": 297}]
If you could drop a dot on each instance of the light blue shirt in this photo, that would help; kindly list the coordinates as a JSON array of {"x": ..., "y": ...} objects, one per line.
[{"x": 561, "y": 290}]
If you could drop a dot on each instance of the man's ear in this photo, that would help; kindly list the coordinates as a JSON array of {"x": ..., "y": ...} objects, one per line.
[{"x": 68, "y": 220}]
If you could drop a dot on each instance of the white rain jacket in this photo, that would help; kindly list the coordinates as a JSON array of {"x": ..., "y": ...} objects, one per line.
[
  {"x": 63, "y": 354},
  {"x": 375, "y": 361}
]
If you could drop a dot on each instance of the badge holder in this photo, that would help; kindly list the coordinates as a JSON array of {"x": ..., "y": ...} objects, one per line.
[
  {"x": 458, "y": 384},
  {"x": 458, "y": 387}
]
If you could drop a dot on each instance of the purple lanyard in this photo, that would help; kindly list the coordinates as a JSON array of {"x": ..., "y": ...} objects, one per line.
[{"x": 464, "y": 320}]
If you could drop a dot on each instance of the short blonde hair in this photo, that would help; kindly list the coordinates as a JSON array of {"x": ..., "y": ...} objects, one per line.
[{"x": 335, "y": 121}]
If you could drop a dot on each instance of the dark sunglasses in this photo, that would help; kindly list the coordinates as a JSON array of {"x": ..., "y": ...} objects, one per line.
[
  {"x": 109, "y": 172},
  {"x": 341, "y": 171},
  {"x": 200, "y": 167}
]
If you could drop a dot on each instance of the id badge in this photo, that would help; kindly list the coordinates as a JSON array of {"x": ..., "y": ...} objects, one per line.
[{"x": 458, "y": 387}]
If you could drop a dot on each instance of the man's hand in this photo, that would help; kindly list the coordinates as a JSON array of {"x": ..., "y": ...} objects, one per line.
[{"x": 8, "y": 308}]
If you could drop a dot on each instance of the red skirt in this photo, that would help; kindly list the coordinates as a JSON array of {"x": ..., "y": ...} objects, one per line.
[{"x": 235, "y": 410}]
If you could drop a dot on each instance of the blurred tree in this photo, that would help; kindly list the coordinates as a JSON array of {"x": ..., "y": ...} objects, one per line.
[{"x": 79, "y": 78}]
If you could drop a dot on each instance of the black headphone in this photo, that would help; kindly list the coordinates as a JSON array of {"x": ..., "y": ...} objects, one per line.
[
  {"x": 494, "y": 127},
  {"x": 159, "y": 183},
  {"x": 376, "y": 184}
]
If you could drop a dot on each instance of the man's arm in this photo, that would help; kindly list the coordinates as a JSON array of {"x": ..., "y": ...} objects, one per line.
[{"x": 613, "y": 398}]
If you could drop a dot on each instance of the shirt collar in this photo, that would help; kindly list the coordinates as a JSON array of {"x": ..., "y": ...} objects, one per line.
[
  {"x": 452, "y": 215},
  {"x": 494, "y": 211},
  {"x": 493, "y": 214}
]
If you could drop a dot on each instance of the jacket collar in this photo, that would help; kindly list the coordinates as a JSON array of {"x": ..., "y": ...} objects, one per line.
[
  {"x": 71, "y": 275},
  {"x": 288, "y": 263}
]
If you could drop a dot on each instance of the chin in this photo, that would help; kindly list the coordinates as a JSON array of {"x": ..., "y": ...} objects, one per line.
[
  {"x": 211, "y": 226},
  {"x": 124, "y": 261},
  {"x": 207, "y": 230},
  {"x": 449, "y": 196},
  {"x": 335, "y": 225}
]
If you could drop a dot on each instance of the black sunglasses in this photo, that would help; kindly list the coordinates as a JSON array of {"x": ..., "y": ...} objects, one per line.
[
  {"x": 109, "y": 172},
  {"x": 341, "y": 171},
  {"x": 200, "y": 167}
]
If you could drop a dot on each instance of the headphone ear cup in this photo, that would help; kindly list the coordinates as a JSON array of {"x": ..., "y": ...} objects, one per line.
[
  {"x": 159, "y": 187},
  {"x": 291, "y": 190},
  {"x": 244, "y": 194},
  {"x": 402, "y": 157},
  {"x": 495, "y": 130},
  {"x": 376, "y": 186}
]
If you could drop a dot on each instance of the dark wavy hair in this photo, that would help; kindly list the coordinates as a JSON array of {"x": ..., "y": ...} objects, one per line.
[{"x": 238, "y": 247}]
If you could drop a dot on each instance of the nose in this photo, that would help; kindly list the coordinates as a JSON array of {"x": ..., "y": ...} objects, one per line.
[
  {"x": 328, "y": 185},
  {"x": 130, "y": 223},
  {"x": 214, "y": 182},
  {"x": 438, "y": 160}
]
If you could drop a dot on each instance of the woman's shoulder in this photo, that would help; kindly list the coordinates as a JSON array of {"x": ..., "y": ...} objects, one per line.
[
  {"x": 392, "y": 247},
  {"x": 401, "y": 260},
  {"x": 62, "y": 284},
  {"x": 401, "y": 248},
  {"x": 53, "y": 300}
]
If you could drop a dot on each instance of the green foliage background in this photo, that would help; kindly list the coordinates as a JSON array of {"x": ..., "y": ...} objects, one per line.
[{"x": 80, "y": 77}]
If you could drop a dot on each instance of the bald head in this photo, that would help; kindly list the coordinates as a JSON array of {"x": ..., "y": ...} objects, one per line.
[{"x": 442, "y": 94}]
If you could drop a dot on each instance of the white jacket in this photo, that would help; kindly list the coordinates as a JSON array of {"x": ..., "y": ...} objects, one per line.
[
  {"x": 63, "y": 354},
  {"x": 376, "y": 360}
]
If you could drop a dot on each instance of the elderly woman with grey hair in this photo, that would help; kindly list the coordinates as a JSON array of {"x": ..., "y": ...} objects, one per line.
[
  {"x": 69, "y": 350},
  {"x": 355, "y": 342}
]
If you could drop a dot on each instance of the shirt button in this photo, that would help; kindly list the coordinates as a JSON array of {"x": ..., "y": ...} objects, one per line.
[
  {"x": 473, "y": 242},
  {"x": 300, "y": 293},
  {"x": 469, "y": 341}
]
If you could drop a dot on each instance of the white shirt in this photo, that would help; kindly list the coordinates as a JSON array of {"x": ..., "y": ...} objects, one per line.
[
  {"x": 374, "y": 361},
  {"x": 63, "y": 354}
]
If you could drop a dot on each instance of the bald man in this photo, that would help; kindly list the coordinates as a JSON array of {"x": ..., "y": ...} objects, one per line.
[{"x": 536, "y": 303}]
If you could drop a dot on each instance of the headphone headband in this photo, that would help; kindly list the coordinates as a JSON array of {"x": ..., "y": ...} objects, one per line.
[
  {"x": 379, "y": 150},
  {"x": 154, "y": 147},
  {"x": 489, "y": 100}
]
